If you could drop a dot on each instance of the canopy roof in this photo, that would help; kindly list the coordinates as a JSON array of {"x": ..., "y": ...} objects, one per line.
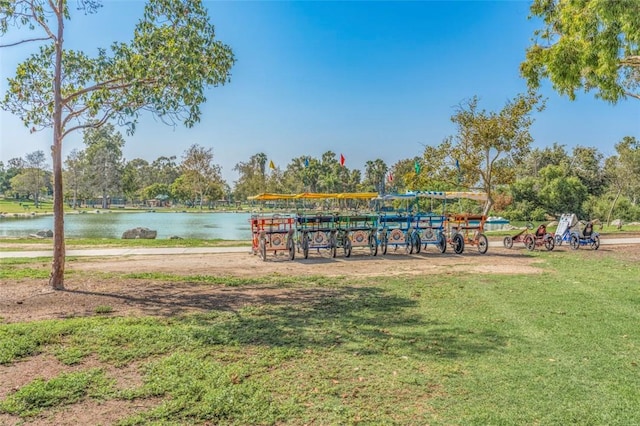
[
  {"x": 315, "y": 196},
  {"x": 442, "y": 195},
  {"x": 265, "y": 196}
]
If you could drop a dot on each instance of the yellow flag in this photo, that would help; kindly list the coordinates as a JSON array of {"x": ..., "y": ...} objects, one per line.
[{"x": 271, "y": 165}]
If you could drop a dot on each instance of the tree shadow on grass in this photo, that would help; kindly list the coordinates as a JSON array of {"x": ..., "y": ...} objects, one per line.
[{"x": 361, "y": 319}]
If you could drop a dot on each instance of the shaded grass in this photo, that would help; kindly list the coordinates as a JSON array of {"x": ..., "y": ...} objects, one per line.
[{"x": 559, "y": 347}]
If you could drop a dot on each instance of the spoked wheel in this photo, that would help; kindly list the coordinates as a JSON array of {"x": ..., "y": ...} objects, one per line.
[
  {"x": 549, "y": 244},
  {"x": 291, "y": 247},
  {"x": 530, "y": 242},
  {"x": 442, "y": 242},
  {"x": 558, "y": 239},
  {"x": 595, "y": 242},
  {"x": 457, "y": 242},
  {"x": 483, "y": 243},
  {"x": 263, "y": 248},
  {"x": 347, "y": 247},
  {"x": 373, "y": 245},
  {"x": 574, "y": 242},
  {"x": 508, "y": 242},
  {"x": 384, "y": 243},
  {"x": 305, "y": 246},
  {"x": 417, "y": 244}
]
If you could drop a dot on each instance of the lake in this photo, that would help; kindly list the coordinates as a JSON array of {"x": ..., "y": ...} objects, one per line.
[{"x": 226, "y": 226}]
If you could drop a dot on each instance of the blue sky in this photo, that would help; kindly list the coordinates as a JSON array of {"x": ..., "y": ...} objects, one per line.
[{"x": 365, "y": 79}]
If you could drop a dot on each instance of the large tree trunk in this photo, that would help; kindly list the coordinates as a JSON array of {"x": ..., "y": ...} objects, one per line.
[{"x": 56, "y": 280}]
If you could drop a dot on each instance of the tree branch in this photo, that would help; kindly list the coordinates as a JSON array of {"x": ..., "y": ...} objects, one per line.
[
  {"x": 631, "y": 61},
  {"x": 633, "y": 95},
  {"x": 25, "y": 41},
  {"x": 103, "y": 85},
  {"x": 92, "y": 124}
]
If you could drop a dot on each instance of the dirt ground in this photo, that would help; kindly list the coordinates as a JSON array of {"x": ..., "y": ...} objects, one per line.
[{"x": 30, "y": 299}]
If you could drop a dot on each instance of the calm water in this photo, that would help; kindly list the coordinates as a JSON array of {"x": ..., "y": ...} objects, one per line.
[{"x": 227, "y": 226}]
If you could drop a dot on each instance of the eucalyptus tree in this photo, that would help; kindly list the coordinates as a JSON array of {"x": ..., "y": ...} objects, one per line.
[
  {"x": 104, "y": 161},
  {"x": 587, "y": 164},
  {"x": 539, "y": 158},
  {"x": 14, "y": 166},
  {"x": 35, "y": 175},
  {"x": 75, "y": 176},
  {"x": 33, "y": 178},
  {"x": 200, "y": 176},
  {"x": 136, "y": 175},
  {"x": 587, "y": 44},
  {"x": 623, "y": 172},
  {"x": 252, "y": 178},
  {"x": 172, "y": 57},
  {"x": 164, "y": 170},
  {"x": 4, "y": 182}
]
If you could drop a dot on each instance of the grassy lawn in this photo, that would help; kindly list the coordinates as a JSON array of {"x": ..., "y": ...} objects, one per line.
[
  {"x": 560, "y": 347},
  {"x": 15, "y": 244},
  {"x": 10, "y": 207}
]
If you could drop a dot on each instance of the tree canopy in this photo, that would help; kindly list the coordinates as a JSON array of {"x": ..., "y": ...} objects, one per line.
[
  {"x": 586, "y": 44},
  {"x": 172, "y": 58}
]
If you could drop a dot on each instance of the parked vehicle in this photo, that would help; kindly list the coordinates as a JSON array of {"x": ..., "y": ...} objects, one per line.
[{"x": 584, "y": 235}]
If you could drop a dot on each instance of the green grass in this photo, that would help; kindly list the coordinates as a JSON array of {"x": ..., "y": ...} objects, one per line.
[
  {"x": 103, "y": 309},
  {"x": 554, "y": 348},
  {"x": 19, "y": 268},
  {"x": 62, "y": 390},
  {"x": 13, "y": 244},
  {"x": 10, "y": 206}
]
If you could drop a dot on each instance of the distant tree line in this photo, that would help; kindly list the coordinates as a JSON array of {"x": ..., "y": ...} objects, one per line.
[{"x": 524, "y": 183}]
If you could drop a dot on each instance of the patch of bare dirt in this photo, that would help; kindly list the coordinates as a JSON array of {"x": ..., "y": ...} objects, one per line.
[
  {"x": 46, "y": 367},
  {"x": 30, "y": 300}
]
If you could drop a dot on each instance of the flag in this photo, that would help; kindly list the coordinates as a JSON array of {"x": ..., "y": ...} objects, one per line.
[
  {"x": 458, "y": 165},
  {"x": 341, "y": 160},
  {"x": 390, "y": 177},
  {"x": 306, "y": 163},
  {"x": 416, "y": 166},
  {"x": 271, "y": 165}
]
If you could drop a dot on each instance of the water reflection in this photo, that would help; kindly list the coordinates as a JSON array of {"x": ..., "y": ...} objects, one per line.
[{"x": 227, "y": 226}]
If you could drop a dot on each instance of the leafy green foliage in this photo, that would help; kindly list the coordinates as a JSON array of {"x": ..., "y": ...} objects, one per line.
[
  {"x": 165, "y": 69},
  {"x": 487, "y": 147},
  {"x": 588, "y": 44}
]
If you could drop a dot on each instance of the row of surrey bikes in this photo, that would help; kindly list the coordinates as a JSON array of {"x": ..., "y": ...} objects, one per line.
[
  {"x": 410, "y": 232},
  {"x": 391, "y": 230}
]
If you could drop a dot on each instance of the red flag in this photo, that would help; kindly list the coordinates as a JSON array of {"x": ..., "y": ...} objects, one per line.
[
  {"x": 341, "y": 160},
  {"x": 390, "y": 177}
]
